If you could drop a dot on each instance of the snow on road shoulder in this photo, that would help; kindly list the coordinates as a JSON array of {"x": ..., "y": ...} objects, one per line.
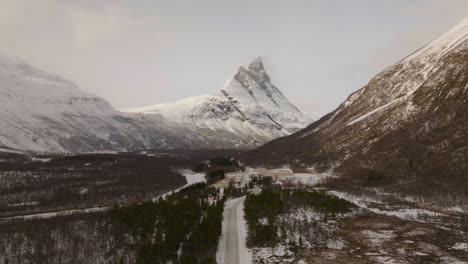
[
  {"x": 221, "y": 252},
  {"x": 245, "y": 256}
]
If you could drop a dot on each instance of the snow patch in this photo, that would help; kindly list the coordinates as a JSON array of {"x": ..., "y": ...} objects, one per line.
[
  {"x": 402, "y": 213},
  {"x": 375, "y": 111},
  {"x": 193, "y": 177},
  {"x": 461, "y": 246},
  {"x": 58, "y": 213},
  {"x": 44, "y": 160},
  {"x": 190, "y": 176}
]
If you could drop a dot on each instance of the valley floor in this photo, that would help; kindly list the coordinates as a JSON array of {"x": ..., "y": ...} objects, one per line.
[
  {"x": 190, "y": 176},
  {"x": 369, "y": 237},
  {"x": 381, "y": 229}
]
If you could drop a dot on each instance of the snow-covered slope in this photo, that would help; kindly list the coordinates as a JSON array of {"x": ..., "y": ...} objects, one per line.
[
  {"x": 43, "y": 112},
  {"x": 40, "y": 111},
  {"x": 249, "y": 106},
  {"x": 414, "y": 112}
]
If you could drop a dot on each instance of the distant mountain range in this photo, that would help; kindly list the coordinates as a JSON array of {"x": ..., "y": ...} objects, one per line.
[{"x": 43, "y": 112}]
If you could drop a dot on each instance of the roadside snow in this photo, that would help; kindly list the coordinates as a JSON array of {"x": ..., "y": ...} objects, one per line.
[
  {"x": 273, "y": 255},
  {"x": 221, "y": 252},
  {"x": 245, "y": 256}
]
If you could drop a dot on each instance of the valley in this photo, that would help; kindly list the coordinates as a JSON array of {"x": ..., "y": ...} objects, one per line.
[
  {"x": 290, "y": 217},
  {"x": 239, "y": 175}
]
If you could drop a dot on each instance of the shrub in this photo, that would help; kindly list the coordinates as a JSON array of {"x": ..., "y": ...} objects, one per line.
[{"x": 215, "y": 176}]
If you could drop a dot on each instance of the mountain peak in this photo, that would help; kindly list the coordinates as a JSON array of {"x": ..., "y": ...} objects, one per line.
[
  {"x": 254, "y": 86},
  {"x": 255, "y": 71},
  {"x": 257, "y": 65}
]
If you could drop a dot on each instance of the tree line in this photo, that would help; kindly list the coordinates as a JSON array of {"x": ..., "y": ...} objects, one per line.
[
  {"x": 175, "y": 228},
  {"x": 261, "y": 211}
]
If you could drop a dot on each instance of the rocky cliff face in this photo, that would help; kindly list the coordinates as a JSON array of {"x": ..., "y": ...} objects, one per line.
[{"x": 408, "y": 120}]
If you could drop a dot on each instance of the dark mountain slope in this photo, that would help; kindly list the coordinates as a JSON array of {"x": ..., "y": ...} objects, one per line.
[{"x": 409, "y": 124}]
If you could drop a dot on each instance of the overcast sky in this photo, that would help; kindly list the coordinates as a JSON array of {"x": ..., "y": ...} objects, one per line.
[{"x": 143, "y": 52}]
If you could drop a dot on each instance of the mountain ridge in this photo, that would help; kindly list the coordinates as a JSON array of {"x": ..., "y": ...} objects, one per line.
[
  {"x": 408, "y": 124},
  {"x": 43, "y": 112}
]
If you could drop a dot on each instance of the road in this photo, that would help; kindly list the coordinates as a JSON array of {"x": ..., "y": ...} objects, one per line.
[{"x": 235, "y": 233}]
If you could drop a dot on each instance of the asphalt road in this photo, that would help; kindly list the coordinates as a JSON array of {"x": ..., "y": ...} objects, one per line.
[{"x": 232, "y": 235}]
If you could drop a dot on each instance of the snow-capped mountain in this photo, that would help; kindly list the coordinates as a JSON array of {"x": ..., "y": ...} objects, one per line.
[
  {"x": 43, "y": 112},
  {"x": 248, "y": 111},
  {"x": 40, "y": 111},
  {"x": 414, "y": 112}
]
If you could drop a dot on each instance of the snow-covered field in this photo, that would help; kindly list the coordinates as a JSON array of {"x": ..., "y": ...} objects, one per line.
[
  {"x": 193, "y": 177},
  {"x": 408, "y": 213},
  {"x": 190, "y": 176}
]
